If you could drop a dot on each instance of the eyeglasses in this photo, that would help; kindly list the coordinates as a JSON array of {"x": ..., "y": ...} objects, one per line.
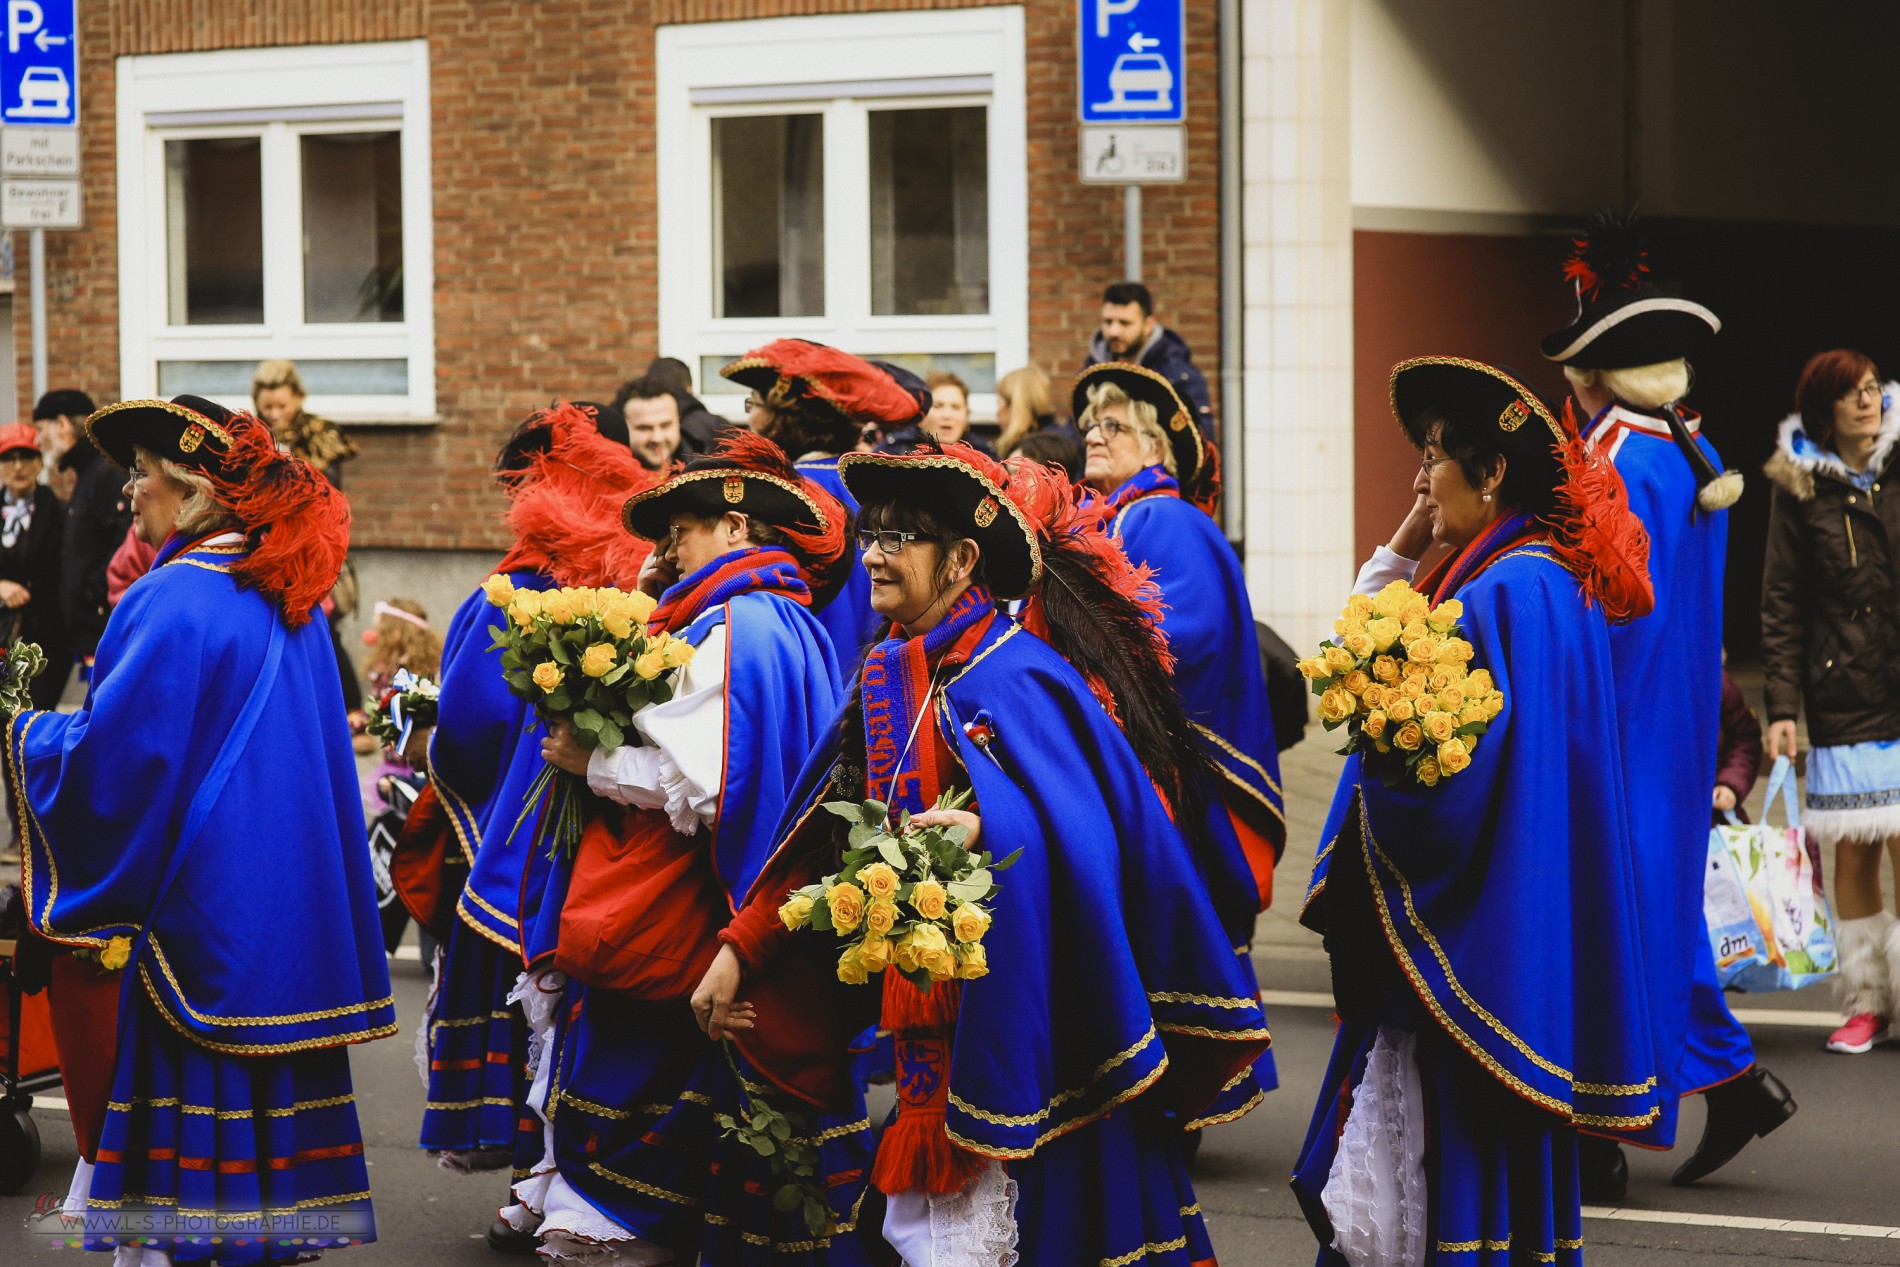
[
  {"x": 1110, "y": 428},
  {"x": 1426, "y": 464},
  {"x": 752, "y": 402},
  {"x": 888, "y": 540},
  {"x": 1865, "y": 392}
]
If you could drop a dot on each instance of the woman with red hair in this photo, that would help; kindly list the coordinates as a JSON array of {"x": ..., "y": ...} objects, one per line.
[{"x": 1829, "y": 644}]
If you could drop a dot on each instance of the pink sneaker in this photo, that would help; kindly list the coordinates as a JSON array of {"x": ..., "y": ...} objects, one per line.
[{"x": 1862, "y": 1031}]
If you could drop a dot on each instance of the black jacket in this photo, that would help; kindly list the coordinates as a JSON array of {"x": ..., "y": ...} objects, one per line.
[
  {"x": 1167, "y": 354},
  {"x": 96, "y": 521},
  {"x": 33, "y": 561},
  {"x": 700, "y": 427},
  {"x": 1830, "y": 619}
]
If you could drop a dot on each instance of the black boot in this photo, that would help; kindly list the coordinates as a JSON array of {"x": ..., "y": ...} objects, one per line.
[
  {"x": 503, "y": 1238},
  {"x": 1740, "y": 1110},
  {"x": 1602, "y": 1175}
]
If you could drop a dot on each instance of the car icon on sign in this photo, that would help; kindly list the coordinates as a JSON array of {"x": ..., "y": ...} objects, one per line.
[
  {"x": 44, "y": 94},
  {"x": 1141, "y": 82}
]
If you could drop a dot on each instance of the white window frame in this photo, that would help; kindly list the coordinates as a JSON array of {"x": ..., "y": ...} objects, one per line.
[
  {"x": 280, "y": 93},
  {"x": 840, "y": 65}
]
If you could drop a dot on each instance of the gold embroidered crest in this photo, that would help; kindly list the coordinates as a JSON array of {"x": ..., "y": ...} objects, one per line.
[
  {"x": 985, "y": 512},
  {"x": 735, "y": 489},
  {"x": 1179, "y": 421},
  {"x": 1514, "y": 416},
  {"x": 193, "y": 437}
]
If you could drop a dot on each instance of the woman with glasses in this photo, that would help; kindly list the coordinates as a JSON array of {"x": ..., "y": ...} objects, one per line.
[
  {"x": 1036, "y": 1089},
  {"x": 30, "y": 522},
  {"x": 1829, "y": 646},
  {"x": 1142, "y": 448},
  {"x": 626, "y": 1089}
]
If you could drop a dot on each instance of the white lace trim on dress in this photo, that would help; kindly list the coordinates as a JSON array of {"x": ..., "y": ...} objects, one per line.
[{"x": 1375, "y": 1192}]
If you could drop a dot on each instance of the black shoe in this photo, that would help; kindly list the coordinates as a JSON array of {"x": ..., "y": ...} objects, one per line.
[
  {"x": 1603, "y": 1176},
  {"x": 1740, "y": 1110},
  {"x": 504, "y": 1239}
]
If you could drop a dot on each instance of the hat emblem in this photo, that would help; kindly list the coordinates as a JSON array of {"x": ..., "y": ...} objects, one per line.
[
  {"x": 1515, "y": 415},
  {"x": 985, "y": 512},
  {"x": 1179, "y": 421},
  {"x": 193, "y": 437},
  {"x": 735, "y": 489}
]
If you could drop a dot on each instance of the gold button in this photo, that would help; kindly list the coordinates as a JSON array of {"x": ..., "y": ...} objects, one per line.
[{"x": 1851, "y": 499}]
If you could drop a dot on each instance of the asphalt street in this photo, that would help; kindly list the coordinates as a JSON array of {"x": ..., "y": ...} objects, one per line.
[{"x": 1836, "y": 1163}]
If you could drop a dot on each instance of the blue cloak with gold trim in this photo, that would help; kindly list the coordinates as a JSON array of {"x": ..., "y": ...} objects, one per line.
[
  {"x": 213, "y": 732},
  {"x": 1498, "y": 913},
  {"x": 848, "y": 617}
]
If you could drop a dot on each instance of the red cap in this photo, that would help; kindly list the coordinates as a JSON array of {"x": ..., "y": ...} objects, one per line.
[{"x": 19, "y": 435}]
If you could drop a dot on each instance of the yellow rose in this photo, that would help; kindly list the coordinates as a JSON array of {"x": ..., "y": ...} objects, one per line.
[
  {"x": 1478, "y": 685},
  {"x": 115, "y": 953},
  {"x": 651, "y": 664},
  {"x": 1357, "y": 681},
  {"x": 1422, "y": 650},
  {"x": 525, "y": 606},
  {"x": 547, "y": 676},
  {"x": 1415, "y": 610},
  {"x": 1441, "y": 676},
  {"x": 1336, "y": 705},
  {"x": 1453, "y": 756},
  {"x": 1391, "y": 600},
  {"x": 1413, "y": 669},
  {"x": 846, "y": 901},
  {"x": 1384, "y": 632},
  {"x": 1339, "y": 660},
  {"x": 678, "y": 651},
  {"x": 1426, "y": 771},
  {"x": 598, "y": 660},
  {"x": 1374, "y": 696},
  {"x": 976, "y": 962},
  {"x": 1375, "y": 723},
  {"x": 1386, "y": 669},
  {"x": 1401, "y": 710},
  {"x": 1446, "y": 615},
  {"x": 851, "y": 968},
  {"x": 558, "y": 606},
  {"x": 878, "y": 880},
  {"x": 880, "y": 919},
  {"x": 1472, "y": 711},
  {"x": 499, "y": 589},
  {"x": 642, "y": 604},
  {"x": 1493, "y": 705},
  {"x": 1313, "y": 666},
  {"x": 1361, "y": 644},
  {"x": 1424, "y": 704},
  {"x": 1451, "y": 697},
  {"x": 587, "y": 600},
  {"x": 1413, "y": 632},
  {"x": 970, "y": 923},
  {"x": 1470, "y": 742},
  {"x": 1439, "y": 726},
  {"x": 1346, "y": 625},
  {"x": 1455, "y": 651},
  {"x": 796, "y": 912},
  {"x": 875, "y": 953},
  {"x": 1412, "y": 687},
  {"x": 617, "y": 621},
  {"x": 1410, "y": 736},
  {"x": 1359, "y": 605},
  {"x": 931, "y": 950},
  {"x": 929, "y": 900}
]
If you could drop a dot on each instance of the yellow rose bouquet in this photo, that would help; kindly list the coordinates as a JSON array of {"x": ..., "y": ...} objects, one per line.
[
  {"x": 583, "y": 654},
  {"x": 1397, "y": 674},
  {"x": 910, "y": 898}
]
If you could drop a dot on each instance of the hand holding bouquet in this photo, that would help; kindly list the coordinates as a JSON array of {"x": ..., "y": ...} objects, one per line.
[
  {"x": 910, "y": 898},
  {"x": 406, "y": 704},
  {"x": 1397, "y": 675},
  {"x": 20, "y": 663},
  {"x": 584, "y": 655}
]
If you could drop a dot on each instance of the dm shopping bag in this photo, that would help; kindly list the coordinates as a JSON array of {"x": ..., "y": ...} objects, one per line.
[{"x": 1768, "y": 917}]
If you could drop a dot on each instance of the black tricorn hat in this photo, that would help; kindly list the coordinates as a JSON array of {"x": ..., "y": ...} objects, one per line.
[
  {"x": 1623, "y": 320},
  {"x": 717, "y": 482},
  {"x": 918, "y": 389},
  {"x": 963, "y": 490},
  {"x": 188, "y": 430},
  {"x": 1474, "y": 394},
  {"x": 1144, "y": 385}
]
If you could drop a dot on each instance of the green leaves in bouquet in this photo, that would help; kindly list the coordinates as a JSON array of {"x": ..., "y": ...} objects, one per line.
[
  {"x": 23, "y": 662},
  {"x": 784, "y": 1139}
]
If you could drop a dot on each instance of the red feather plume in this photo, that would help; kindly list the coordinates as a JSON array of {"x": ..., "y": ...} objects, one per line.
[
  {"x": 565, "y": 505},
  {"x": 1597, "y": 536},
  {"x": 850, "y": 383},
  {"x": 1610, "y": 252},
  {"x": 296, "y": 522},
  {"x": 820, "y": 550}
]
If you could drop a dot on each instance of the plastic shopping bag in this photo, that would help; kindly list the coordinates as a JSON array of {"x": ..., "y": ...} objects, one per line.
[{"x": 1769, "y": 922}]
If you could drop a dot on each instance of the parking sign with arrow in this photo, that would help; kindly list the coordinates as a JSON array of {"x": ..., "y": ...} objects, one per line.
[
  {"x": 39, "y": 64},
  {"x": 1131, "y": 63}
]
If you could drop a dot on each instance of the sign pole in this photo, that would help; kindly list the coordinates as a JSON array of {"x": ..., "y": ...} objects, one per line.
[
  {"x": 1131, "y": 233},
  {"x": 37, "y": 263}
]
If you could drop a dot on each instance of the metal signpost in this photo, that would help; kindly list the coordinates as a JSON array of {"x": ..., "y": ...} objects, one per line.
[
  {"x": 39, "y": 138},
  {"x": 1131, "y": 79}
]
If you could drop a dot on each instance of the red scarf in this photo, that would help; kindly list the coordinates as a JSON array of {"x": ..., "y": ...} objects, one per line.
[{"x": 742, "y": 571}]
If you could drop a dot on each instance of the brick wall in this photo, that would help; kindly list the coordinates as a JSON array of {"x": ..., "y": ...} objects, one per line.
[{"x": 546, "y": 275}]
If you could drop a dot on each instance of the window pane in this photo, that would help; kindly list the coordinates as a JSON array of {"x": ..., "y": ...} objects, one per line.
[
  {"x": 322, "y": 378},
  {"x": 769, "y": 215},
  {"x": 214, "y": 232},
  {"x": 930, "y": 211},
  {"x": 352, "y": 227}
]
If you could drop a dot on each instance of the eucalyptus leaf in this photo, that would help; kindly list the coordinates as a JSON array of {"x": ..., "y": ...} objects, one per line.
[
  {"x": 887, "y": 847},
  {"x": 787, "y": 1199},
  {"x": 611, "y": 736},
  {"x": 849, "y": 810},
  {"x": 1008, "y": 862},
  {"x": 876, "y": 811},
  {"x": 863, "y": 834},
  {"x": 587, "y": 719}
]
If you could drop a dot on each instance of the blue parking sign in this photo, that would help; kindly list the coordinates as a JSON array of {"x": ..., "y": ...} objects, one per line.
[
  {"x": 39, "y": 64},
  {"x": 1131, "y": 61}
]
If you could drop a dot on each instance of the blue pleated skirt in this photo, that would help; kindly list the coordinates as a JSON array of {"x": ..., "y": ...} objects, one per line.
[{"x": 478, "y": 1045}]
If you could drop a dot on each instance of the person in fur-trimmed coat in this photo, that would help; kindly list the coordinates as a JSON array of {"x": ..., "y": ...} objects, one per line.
[{"x": 1830, "y": 643}]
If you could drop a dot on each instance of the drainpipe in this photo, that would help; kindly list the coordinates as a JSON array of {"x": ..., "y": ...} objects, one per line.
[{"x": 1232, "y": 307}]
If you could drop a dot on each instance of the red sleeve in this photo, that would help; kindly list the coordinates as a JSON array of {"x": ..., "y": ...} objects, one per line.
[
  {"x": 129, "y": 562},
  {"x": 756, "y": 932},
  {"x": 1738, "y": 749}
]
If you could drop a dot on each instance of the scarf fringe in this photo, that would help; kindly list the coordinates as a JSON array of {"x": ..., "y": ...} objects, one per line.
[{"x": 916, "y": 1153}]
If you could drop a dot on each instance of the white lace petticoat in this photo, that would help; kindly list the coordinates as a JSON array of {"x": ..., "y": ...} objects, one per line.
[{"x": 1375, "y": 1192}]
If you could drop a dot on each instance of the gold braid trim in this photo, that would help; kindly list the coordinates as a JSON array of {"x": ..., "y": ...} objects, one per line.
[
  {"x": 1056, "y": 1132},
  {"x": 1250, "y": 790},
  {"x": 198, "y": 563},
  {"x": 489, "y": 910},
  {"x": 480, "y": 929},
  {"x": 719, "y": 473},
  {"x": 1233, "y": 1115},
  {"x": 458, "y": 810},
  {"x": 1204, "y": 1000},
  {"x": 835, "y": 1132},
  {"x": 294, "y": 1018},
  {"x": 225, "y": 1115},
  {"x": 1525, "y": 397},
  {"x": 947, "y": 462},
  {"x": 257, "y": 1049},
  {"x": 1472, "y": 1247},
  {"x": 1151, "y": 1248},
  {"x": 1220, "y": 741},
  {"x": 137, "y": 1199},
  {"x": 1201, "y": 1031},
  {"x": 1030, "y": 1119},
  {"x": 644, "y": 1188},
  {"x": 455, "y": 1106},
  {"x": 794, "y": 1247}
]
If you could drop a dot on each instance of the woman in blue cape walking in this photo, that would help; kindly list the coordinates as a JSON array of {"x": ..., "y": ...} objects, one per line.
[
  {"x": 198, "y": 821},
  {"x": 1486, "y": 958}
]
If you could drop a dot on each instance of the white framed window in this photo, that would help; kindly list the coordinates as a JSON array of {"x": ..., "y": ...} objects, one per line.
[
  {"x": 275, "y": 202},
  {"x": 855, "y": 179}
]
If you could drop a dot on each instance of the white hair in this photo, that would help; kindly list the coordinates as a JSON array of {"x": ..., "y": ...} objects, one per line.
[
  {"x": 1140, "y": 413},
  {"x": 200, "y": 512},
  {"x": 1645, "y": 386}
]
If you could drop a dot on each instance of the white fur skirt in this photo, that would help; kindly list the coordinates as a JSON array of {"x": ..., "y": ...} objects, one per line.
[{"x": 1853, "y": 792}]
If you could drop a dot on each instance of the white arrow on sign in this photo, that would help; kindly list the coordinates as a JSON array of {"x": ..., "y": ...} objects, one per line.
[
  {"x": 1142, "y": 43},
  {"x": 46, "y": 41}
]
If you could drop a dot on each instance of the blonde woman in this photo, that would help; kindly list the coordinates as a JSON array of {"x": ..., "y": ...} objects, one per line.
[{"x": 1025, "y": 407}]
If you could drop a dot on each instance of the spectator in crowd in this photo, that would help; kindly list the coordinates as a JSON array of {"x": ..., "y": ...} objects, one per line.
[
  {"x": 1025, "y": 407},
  {"x": 30, "y": 532},
  {"x": 278, "y": 395},
  {"x": 1130, "y": 333},
  {"x": 1737, "y": 752},
  {"x": 947, "y": 421},
  {"x": 97, "y": 516},
  {"x": 652, "y": 410},
  {"x": 699, "y": 426}
]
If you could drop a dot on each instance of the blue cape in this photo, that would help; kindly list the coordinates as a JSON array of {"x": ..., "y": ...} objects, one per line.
[
  {"x": 1668, "y": 666},
  {"x": 1210, "y": 628},
  {"x": 848, "y": 617},
  {"x": 485, "y": 753},
  {"x": 213, "y": 750},
  {"x": 1506, "y": 893},
  {"x": 1108, "y": 967}
]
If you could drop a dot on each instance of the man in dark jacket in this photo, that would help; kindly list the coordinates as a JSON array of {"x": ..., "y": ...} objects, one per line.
[
  {"x": 96, "y": 517},
  {"x": 699, "y": 426},
  {"x": 1129, "y": 332}
]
